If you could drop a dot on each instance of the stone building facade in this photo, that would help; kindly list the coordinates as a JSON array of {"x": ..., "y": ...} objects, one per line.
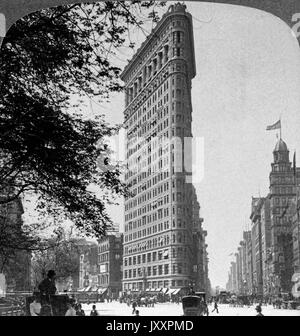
[
  {"x": 110, "y": 252},
  {"x": 282, "y": 194},
  {"x": 257, "y": 246},
  {"x": 158, "y": 217},
  {"x": 14, "y": 264},
  {"x": 273, "y": 242},
  {"x": 200, "y": 256}
]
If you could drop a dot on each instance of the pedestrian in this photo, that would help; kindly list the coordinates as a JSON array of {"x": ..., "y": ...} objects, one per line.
[
  {"x": 259, "y": 311},
  {"x": 134, "y": 304},
  {"x": 216, "y": 307},
  {"x": 205, "y": 308},
  {"x": 137, "y": 313},
  {"x": 35, "y": 307},
  {"x": 71, "y": 310},
  {"x": 47, "y": 286},
  {"x": 79, "y": 310},
  {"x": 94, "y": 312}
]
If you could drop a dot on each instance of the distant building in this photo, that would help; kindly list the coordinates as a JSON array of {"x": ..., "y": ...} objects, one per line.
[
  {"x": 249, "y": 262},
  {"x": 110, "y": 253},
  {"x": 244, "y": 255},
  {"x": 88, "y": 266},
  {"x": 234, "y": 277},
  {"x": 282, "y": 195},
  {"x": 257, "y": 246},
  {"x": 16, "y": 264},
  {"x": 238, "y": 273},
  {"x": 296, "y": 226},
  {"x": 229, "y": 281},
  {"x": 266, "y": 245},
  {"x": 200, "y": 259},
  {"x": 273, "y": 257}
]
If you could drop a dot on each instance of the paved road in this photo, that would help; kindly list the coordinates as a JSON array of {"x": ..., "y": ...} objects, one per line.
[{"x": 172, "y": 309}]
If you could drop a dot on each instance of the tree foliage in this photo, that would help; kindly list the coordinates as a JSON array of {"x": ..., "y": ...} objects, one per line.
[
  {"x": 47, "y": 146},
  {"x": 62, "y": 255}
]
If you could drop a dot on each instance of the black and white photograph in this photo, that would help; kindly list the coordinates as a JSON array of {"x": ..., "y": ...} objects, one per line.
[{"x": 149, "y": 160}]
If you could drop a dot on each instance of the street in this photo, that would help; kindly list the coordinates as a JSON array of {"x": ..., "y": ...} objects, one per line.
[{"x": 172, "y": 309}]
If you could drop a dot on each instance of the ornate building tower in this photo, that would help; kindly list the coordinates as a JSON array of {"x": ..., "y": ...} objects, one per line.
[
  {"x": 282, "y": 194},
  {"x": 158, "y": 215}
]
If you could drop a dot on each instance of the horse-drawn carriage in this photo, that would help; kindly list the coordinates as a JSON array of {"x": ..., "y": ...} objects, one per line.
[{"x": 194, "y": 305}]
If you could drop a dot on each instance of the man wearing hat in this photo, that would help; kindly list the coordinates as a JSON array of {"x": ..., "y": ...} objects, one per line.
[
  {"x": 258, "y": 309},
  {"x": 47, "y": 286}
]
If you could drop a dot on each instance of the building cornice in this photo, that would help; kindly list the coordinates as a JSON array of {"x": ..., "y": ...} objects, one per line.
[{"x": 149, "y": 40}]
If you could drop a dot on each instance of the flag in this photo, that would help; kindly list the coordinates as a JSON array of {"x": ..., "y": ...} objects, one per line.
[{"x": 275, "y": 126}]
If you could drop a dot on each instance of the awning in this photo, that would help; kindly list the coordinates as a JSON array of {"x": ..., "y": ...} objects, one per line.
[
  {"x": 148, "y": 289},
  {"x": 174, "y": 291},
  {"x": 171, "y": 290},
  {"x": 87, "y": 288},
  {"x": 164, "y": 290},
  {"x": 94, "y": 289},
  {"x": 81, "y": 290}
]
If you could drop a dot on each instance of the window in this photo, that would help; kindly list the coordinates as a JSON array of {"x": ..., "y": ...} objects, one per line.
[
  {"x": 154, "y": 256},
  {"x": 160, "y": 253}
]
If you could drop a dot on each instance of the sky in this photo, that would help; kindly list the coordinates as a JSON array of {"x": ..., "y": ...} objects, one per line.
[{"x": 248, "y": 75}]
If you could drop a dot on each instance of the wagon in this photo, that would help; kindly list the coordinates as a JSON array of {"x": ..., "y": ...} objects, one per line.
[{"x": 193, "y": 305}]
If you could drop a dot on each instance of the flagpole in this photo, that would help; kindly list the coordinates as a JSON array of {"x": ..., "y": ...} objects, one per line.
[{"x": 280, "y": 127}]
